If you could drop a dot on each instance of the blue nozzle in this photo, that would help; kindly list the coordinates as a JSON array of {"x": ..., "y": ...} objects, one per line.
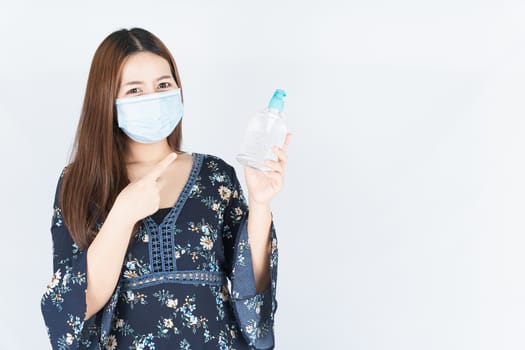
[{"x": 277, "y": 101}]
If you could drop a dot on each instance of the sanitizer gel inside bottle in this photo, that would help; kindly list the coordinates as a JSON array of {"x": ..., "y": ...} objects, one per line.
[{"x": 265, "y": 130}]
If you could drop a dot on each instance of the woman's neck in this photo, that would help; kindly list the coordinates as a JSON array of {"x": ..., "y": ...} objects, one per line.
[{"x": 146, "y": 154}]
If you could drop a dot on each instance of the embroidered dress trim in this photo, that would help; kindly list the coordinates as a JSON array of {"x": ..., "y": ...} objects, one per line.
[
  {"x": 197, "y": 277},
  {"x": 162, "y": 246}
]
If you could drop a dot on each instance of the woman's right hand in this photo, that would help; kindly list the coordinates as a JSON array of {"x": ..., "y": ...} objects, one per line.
[{"x": 142, "y": 197}]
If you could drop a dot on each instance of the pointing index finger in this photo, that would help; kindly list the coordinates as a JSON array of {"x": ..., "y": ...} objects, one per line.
[{"x": 161, "y": 166}]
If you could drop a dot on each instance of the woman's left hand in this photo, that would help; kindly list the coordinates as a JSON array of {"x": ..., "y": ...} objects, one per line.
[{"x": 264, "y": 185}]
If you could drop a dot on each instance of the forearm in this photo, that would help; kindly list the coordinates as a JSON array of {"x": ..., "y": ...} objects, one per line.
[
  {"x": 105, "y": 256},
  {"x": 259, "y": 223}
]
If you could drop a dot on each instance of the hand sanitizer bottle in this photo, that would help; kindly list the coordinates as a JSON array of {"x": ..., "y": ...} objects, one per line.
[{"x": 265, "y": 130}]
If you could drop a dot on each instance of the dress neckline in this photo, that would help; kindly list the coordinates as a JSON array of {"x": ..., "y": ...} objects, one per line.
[
  {"x": 160, "y": 214},
  {"x": 173, "y": 212}
]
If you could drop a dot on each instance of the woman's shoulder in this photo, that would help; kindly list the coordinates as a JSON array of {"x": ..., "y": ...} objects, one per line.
[{"x": 214, "y": 162}]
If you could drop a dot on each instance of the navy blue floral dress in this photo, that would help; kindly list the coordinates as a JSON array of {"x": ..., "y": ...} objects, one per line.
[{"x": 186, "y": 282}]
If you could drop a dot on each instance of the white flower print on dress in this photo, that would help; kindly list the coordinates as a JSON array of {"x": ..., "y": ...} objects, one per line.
[
  {"x": 172, "y": 303},
  {"x": 225, "y": 193},
  {"x": 112, "y": 343},
  {"x": 55, "y": 279},
  {"x": 206, "y": 242}
]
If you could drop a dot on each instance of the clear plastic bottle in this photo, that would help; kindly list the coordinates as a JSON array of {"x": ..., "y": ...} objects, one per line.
[{"x": 265, "y": 130}]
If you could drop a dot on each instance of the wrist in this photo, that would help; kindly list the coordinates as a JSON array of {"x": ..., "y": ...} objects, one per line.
[
  {"x": 120, "y": 217},
  {"x": 258, "y": 206}
]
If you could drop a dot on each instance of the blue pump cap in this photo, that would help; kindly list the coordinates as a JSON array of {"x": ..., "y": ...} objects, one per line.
[{"x": 277, "y": 101}]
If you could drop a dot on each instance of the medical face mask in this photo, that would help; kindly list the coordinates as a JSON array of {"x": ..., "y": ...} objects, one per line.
[{"x": 150, "y": 118}]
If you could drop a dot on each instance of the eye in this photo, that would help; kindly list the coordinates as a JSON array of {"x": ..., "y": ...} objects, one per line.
[
  {"x": 133, "y": 91},
  {"x": 164, "y": 85}
]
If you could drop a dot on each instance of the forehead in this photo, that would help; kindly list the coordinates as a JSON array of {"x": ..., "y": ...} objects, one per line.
[{"x": 144, "y": 66}]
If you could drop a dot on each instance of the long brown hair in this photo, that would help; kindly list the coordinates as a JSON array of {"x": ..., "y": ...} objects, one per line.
[{"x": 97, "y": 170}]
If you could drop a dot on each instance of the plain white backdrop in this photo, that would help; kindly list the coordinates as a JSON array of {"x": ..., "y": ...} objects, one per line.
[{"x": 401, "y": 224}]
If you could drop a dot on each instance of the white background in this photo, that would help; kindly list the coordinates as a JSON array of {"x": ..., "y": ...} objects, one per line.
[{"x": 401, "y": 222}]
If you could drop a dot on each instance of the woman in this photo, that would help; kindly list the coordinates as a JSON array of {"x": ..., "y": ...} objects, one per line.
[{"x": 153, "y": 246}]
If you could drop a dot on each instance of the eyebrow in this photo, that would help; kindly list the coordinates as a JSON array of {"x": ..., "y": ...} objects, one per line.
[{"x": 136, "y": 82}]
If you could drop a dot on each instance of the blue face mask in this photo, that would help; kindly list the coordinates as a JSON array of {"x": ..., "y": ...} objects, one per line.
[{"x": 150, "y": 118}]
